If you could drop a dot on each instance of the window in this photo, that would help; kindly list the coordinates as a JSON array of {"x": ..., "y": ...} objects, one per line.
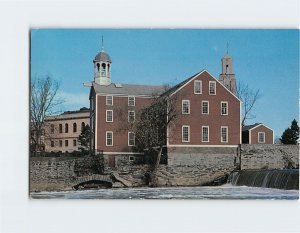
[
  {"x": 185, "y": 133},
  {"x": 131, "y": 139},
  {"x": 66, "y": 143},
  {"x": 224, "y": 108},
  {"x": 205, "y": 134},
  {"x": 52, "y": 143},
  {"x": 109, "y": 115},
  {"x": 82, "y": 126},
  {"x": 109, "y": 100},
  {"x": 224, "y": 134},
  {"x": 74, "y": 127},
  {"x": 197, "y": 87},
  {"x": 60, "y": 143},
  {"x": 131, "y": 158},
  {"x": 66, "y": 128},
  {"x": 261, "y": 137},
  {"x": 131, "y": 101},
  {"x": 109, "y": 138},
  {"x": 212, "y": 87},
  {"x": 52, "y": 129},
  {"x": 103, "y": 69},
  {"x": 60, "y": 128},
  {"x": 185, "y": 107},
  {"x": 205, "y": 107},
  {"x": 131, "y": 116},
  {"x": 74, "y": 142}
]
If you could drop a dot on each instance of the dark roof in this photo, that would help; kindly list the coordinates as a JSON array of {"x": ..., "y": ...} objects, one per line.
[
  {"x": 248, "y": 127},
  {"x": 102, "y": 56},
  {"x": 129, "y": 89},
  {"x": 173, "y": 89},
  {"x": 84, "y": 109}
]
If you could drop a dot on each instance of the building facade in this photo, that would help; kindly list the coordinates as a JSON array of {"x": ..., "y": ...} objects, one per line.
[
  {"x": 209, "y": 111},
  {"x": 62, "y": 131},
  {"x": 257, "y": 133}
]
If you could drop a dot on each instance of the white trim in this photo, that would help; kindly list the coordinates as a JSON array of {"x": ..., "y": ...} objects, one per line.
[
  {"x": 126, "y": 95},
  {"x": 96, "y": 121},
  {"x": 227, "y": 108},
  {"x": 179, "y": 145},
  {"x": 112, "y": 138},
  {"x": 133, "y": 101},
  {"x": 209, "y": 82},
  {"x": 112, "y": 100},
  {"x": 188, "y": 133},
  {"x": 112, "y": 115},
  {"x": 258, "y": 137},
  {"x": 205, "y": 126},
  {"x": 197, "y": 75},
  {"x": 188, "y": 109},
  {"x": 198, "y": 81},
  {"x": 133, "y": 116},
  {"x": 133, "y": 138},
  {"x": 261, "y": 124},
  {"x": 207, "y": 107},
  {"x": 123, "y": 153},
  {"x": 240, "y": 122},
  {"x": 250, "y": 135},
  {"x": 224, "y": 127}
]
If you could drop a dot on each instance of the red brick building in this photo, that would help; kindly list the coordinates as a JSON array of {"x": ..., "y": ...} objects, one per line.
[
  {"x": 257, "y": 134},
  {"x": 209, "y": 109}
]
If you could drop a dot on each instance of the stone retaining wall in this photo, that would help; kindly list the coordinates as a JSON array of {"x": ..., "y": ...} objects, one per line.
[
  {"x": 186, "y": 166},
  {"x": 269, "y": 156}
]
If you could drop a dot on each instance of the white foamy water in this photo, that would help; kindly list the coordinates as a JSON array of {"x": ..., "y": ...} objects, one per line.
[{"x": 204, "y": 192}]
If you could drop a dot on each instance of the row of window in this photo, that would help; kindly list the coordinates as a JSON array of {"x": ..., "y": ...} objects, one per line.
[
  {"x": 60, "y": 128},
  {"x": 205, "y": 107},
  {"x": 110, "y": 116},
  {"x": 204, "y": 133},
  {"x": 110, "y": 100},
  {"x": 60, "y": 143},
  {"x": 110, "y": 138},
  {"x": 212, "y": 90}
]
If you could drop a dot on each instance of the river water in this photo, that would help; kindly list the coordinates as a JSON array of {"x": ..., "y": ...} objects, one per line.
[{"x": 226, "y": 191}]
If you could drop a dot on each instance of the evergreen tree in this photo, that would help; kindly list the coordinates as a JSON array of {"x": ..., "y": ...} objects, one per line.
[
  {"x": 291, "y": 134},
  {"x": 85, "y": 139}
]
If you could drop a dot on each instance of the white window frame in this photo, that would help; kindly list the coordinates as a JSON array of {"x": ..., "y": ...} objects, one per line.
[
  {"x": 202, "y": 135},
  {"x": 197, "y": 81},
  {"x": 215, "y": 84},
  {"x": 205, "y": 101},
  {"x": 189, "y": 107},
  {"x": 224, "y": 127},
  {"x": 182, "y": 137},
  {"x": 263, "y": 133},
  {"x": 112, "y": 100},
  {"x": 133, "y": 138},
  {"x": 112, "y": 138},
  {"x": 133, "y": 101},
  {"x": 133, "y": 116},
  {"x": 112, "y": 115},
  {"x": 224, "y": 102}
]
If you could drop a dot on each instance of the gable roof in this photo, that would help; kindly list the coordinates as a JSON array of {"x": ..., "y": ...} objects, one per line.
[
  {"x": 249, "y": 127},
  {"x": 179, "y": 86},
  {"x": 128, "y": 89}
]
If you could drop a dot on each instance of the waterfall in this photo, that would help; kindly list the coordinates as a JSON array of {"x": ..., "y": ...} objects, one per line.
[{"x": 279, "y": 179}]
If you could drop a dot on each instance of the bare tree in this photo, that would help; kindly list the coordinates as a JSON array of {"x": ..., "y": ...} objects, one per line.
[
  {"x": 249, "y": 98},
  {"x": 151, "y": 127},
  {"x": 43, "y": 103}
]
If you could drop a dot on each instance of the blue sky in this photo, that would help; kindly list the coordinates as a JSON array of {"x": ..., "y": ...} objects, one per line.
[{"x": 264, "y": 59}]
